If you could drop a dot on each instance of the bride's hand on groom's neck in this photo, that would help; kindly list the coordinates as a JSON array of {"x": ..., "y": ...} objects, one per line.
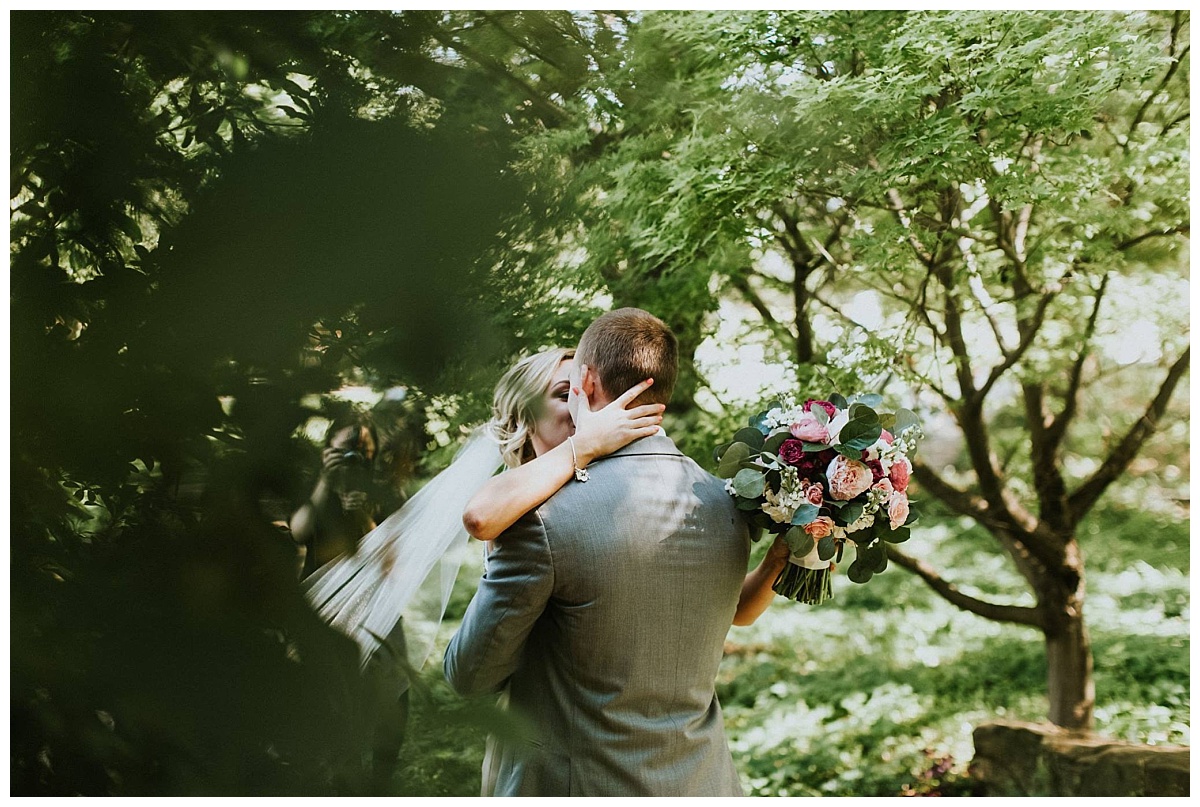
[{"x": 603, "y": 431}]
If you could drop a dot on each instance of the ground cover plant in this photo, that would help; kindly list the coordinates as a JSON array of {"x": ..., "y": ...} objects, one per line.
[{"x": 876, "y": 693}]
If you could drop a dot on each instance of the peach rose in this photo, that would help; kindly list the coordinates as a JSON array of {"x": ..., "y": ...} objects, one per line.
[
  {"x": 899, "y": 473},
  {"x": 883, "y": 484},
  {"x": 848, "y": 478},
  {"x": 898, "y": 509},
  {"x": 814, "y": 494},
  {"x": 821, "y": 528}
]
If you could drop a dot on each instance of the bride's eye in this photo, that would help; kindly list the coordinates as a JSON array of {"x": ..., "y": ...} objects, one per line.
[{"x": 562, "y": 396}]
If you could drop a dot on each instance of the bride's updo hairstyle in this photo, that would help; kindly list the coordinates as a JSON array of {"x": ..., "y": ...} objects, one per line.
[
  {"x": 627, "y": 346},
  {"x": 518, "y": 402}
]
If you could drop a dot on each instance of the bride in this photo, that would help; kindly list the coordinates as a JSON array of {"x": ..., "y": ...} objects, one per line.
[{"x": 391, "y": 592}]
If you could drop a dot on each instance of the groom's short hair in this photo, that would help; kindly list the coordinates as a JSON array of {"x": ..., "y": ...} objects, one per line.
[{"x": 627, "y": 346}]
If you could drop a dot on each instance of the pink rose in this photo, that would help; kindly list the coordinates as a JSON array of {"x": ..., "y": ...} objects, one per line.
[
  {"x": 814, "y": 494},
  {"x": 847, "y": 478},
  {"x": 899, "y": 474},
  {"x": 829, "y": 408},
  {"x": 898, "y": 509},
  {"x": 809, "y": 429},
  {"x": 883, "y": 484},
  {"x": 886, "y": 436},
  {"x": 821, "y": 528}
]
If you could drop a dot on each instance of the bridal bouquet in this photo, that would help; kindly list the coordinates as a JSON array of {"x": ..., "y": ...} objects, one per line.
[{"x": 823, "y": 474}]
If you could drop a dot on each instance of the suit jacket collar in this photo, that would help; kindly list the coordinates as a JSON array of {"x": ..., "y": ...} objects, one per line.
[{"x": 654, "y": 444}]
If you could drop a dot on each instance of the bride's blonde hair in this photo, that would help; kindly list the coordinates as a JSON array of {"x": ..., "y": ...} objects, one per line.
[{"x": 518, "y": 400}]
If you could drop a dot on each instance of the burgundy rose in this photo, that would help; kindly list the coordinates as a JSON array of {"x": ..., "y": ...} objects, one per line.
[
  {"x": 792, "y": 452},
  {"x": 829, "y": 408},
  {"x": 876, "y": 470},
  {"x": 814, "y": 463}
]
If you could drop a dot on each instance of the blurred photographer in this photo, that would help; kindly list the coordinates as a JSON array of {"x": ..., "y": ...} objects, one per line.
[{"x": 340, "y": 509}]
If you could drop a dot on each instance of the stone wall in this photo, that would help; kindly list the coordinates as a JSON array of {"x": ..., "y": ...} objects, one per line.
[{"x": 1039, "y": 759}]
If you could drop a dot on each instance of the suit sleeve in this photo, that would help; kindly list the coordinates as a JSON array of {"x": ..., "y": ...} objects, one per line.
[{"x": 512, "y": 595}]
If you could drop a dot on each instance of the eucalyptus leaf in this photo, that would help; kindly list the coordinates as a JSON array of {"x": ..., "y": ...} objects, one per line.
[
  {"x": 799, "y": 542},
  {"x": 720, "y": 450},
  {"x": 838, "y": 401},
  {"x": 881, "y": 559},
  {"x": 853, "y": 511},
  {"x": 905, "y": 419},
  {"x": 871, "y": 399},
  {"x": 859, "y": 572},
  {"x": 749, "y": 483},
  {"x": 897, "y": 536},
  {"x": 826, "y": 548},
  {"x": 747, "y": 504},
  {"x": 860, "y": 433},
  {"x": 815, "y": 448},
  {"x": 805, "y": 514},
  {"x": 859, "y": 411},
  {"x": 820, "y": 414},
  {"x": 732, "y": 460},
  {"x": 751, "y": 437}
]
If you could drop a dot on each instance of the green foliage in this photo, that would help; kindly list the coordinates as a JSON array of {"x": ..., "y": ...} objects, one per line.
[
  {"x": 857, "y": 697},
  {"x": 217, "y": 218}
]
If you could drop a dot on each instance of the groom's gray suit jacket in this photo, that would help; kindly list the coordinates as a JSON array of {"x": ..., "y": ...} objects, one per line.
[{"x": 605, "y": 611}]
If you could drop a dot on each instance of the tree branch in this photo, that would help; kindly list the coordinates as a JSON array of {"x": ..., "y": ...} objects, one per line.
[
  {"x": 1087, "y": 494},
  {"x": 1176, "y": 60},
  {"x": 556, "y": 113},
  {"x": 1130, "y": 242},
  {"x": 778, "y": 329},
  {"x": 1029, "y": 334},
  {"x": 1058, "y": 426},
  {"x": 1175, "y": 122},
  {"x": 1014, "y": 614},
  {"x": 960, "y": 501}
]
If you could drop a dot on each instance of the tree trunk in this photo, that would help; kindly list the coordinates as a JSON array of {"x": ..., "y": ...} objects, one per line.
[{"x": 1070, "y": 688}]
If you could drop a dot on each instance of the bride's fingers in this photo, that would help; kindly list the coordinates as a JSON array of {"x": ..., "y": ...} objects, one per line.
[
  {"x": 585, "y": 408},
  {"x": 646, "y": 410},
  {"x": 647, "y": 422},
  {"x": 634, "y": 391}
]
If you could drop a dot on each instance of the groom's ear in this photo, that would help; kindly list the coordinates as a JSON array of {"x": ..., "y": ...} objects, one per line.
[{"x": 590, "y": 382}]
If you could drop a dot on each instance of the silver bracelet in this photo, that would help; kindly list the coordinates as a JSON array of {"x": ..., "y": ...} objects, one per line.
[{"x": 581, "y": 474}]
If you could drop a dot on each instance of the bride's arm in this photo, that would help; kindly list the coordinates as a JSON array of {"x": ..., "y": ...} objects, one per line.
[
  {"x": 512, "y": 494},
  {"x": 756, "y": 588}
]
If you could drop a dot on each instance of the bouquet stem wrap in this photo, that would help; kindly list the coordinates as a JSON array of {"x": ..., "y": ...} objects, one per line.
[{"x": 805, "y": 579}]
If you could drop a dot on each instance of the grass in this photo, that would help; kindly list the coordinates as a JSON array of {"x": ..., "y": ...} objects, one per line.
[{"x": 877, "y": 692}]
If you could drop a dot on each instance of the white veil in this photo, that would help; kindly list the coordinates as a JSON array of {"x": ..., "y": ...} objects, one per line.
[{"x": 391, "y": 593}]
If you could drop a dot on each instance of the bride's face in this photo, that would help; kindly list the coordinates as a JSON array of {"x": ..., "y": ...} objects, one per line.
[{"x": 554, "y": 424}]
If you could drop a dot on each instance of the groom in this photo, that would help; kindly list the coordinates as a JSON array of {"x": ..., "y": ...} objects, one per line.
[{"x": 605, "y": 610}]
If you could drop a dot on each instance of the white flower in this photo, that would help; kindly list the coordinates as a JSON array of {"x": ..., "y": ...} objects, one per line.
[
  {"x": 781, "y": 505},
  {"x": 835, "y": 425},
  {"x": 863, "y": 521}
]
